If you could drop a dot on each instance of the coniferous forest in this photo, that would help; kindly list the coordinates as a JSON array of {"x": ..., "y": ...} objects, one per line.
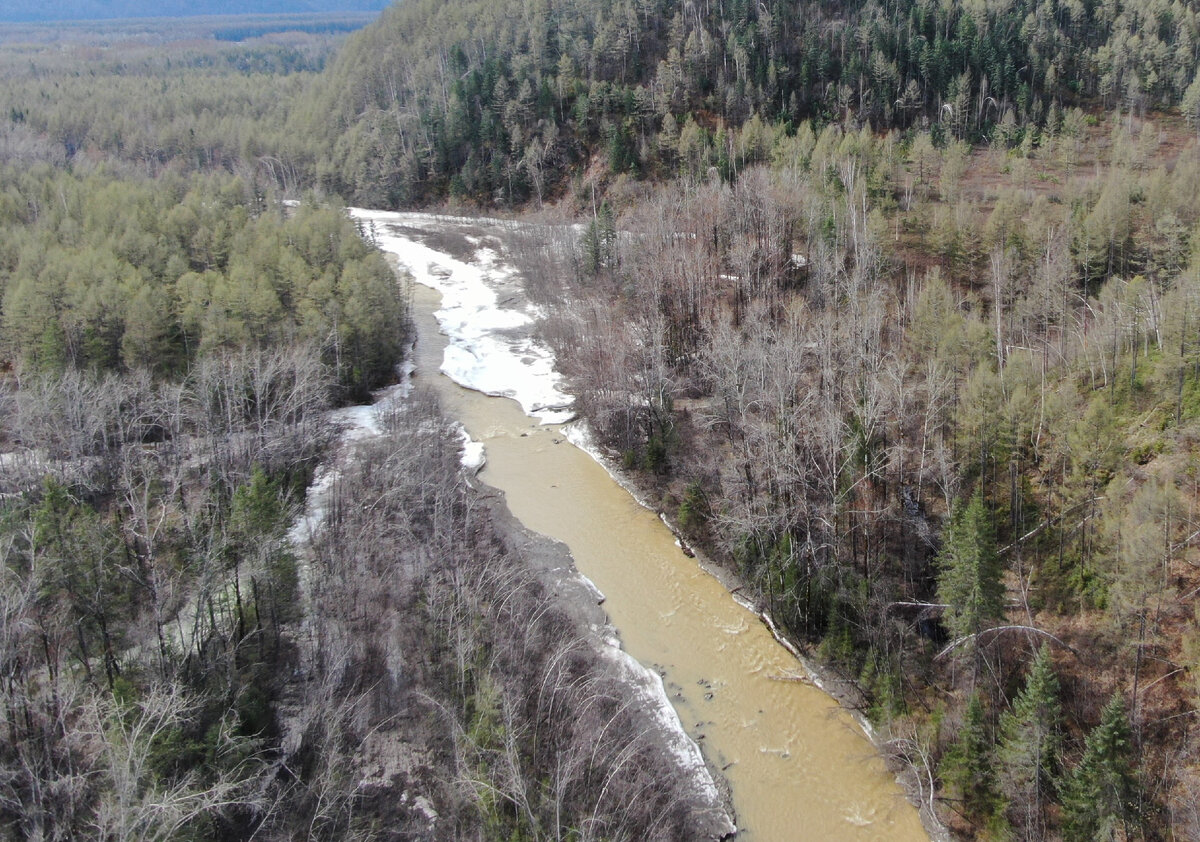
[{"x": 892, "y": 308}]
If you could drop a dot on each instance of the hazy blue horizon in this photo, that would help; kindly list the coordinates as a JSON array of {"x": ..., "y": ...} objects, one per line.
[{"x": 40, "y": 11}]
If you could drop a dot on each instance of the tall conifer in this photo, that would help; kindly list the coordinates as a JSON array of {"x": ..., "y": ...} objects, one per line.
[
  {"x": 1028, "y": 751},
  {"x": 969, "y": 572},
  {"x": 1100, "y": 801}
]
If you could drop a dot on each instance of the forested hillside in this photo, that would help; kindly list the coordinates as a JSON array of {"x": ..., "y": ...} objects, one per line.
[
  {"x": 936, "y": 433},
  {"x": 497, "y": 101},
  {"x": 894, "y": 309}
]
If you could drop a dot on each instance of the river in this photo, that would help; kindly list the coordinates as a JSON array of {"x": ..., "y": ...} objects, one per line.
[{"x": 799, "y": 767}]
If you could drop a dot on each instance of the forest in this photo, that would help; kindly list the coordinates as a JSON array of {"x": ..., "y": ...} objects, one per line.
[
  {"x": 921, "y": 356},
  {"x": 498, "y": 102},
  {"x": 950, "y": 446},
  {"x": 187, "y": 650},
  {"x": 893, "y": 310}
]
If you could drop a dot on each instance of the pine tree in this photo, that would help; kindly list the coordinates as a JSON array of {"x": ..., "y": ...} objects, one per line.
[
  {"x": 969, "y": 572},
  {"x": 1101, "y": 797},
  {"x": 1028, "y": 751}
]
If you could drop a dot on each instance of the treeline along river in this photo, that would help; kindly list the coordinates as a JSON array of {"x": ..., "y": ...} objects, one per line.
[{"x": 799, "y": 767}]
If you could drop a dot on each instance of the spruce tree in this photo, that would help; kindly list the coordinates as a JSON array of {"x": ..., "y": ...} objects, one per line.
[
  {"x": 969, "y": 572},
  {"x": 967, "y": 768},
  {"x": 591, "y": 248},
  {"x": 1028, "y": 751},
  {"x": 608, "y": 235},
  {"x": 1100, "y": 801}
]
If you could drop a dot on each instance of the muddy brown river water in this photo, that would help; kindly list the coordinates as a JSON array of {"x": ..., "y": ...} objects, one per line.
[{"x": 799, "y": 767}]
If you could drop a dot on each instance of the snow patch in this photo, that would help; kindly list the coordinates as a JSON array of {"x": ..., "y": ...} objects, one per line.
[
  {"x": 358, "y": 422},
  {"x": 648, "y": 685},
  {"x": 473, "y": 457},
  {"x": 591, "y": 586},
  {"x": 315, "y": 505},
  {"x": 365, "y": 420}
]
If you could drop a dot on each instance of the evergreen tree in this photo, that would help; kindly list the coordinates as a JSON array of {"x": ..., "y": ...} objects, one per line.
[
  {"x": 967, "y": 768},
  {"x": 1028, "y": 751},
  {"x": 1100, "y": 801},
  {"x": 598, "y": 243},
  {"x": 1190, "y": 106},
  {"x": 591, "y": 249},
  {"x": 608, "y": 235},
  {"x": 969, "y": 572}
]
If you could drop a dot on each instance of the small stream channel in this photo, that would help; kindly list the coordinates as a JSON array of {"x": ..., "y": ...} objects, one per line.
[{"x": 799, "y": 767}]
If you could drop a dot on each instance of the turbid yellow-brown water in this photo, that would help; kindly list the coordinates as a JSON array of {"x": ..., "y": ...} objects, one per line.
[{"x": 799, "y": 767}]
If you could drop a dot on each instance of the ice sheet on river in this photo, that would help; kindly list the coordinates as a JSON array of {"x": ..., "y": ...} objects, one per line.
[{"x": 491, "y": 347}]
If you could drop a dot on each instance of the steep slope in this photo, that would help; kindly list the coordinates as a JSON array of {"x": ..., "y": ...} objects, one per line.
[{"x": 496, "y": 100}]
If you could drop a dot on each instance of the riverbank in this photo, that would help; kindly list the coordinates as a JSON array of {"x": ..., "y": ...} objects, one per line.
[
  {"x": 795, "y": 762},
  {"x": 541, "y": 660},
  {"x": 702, "y": 787},
  {"x": 843, "y": 689}
]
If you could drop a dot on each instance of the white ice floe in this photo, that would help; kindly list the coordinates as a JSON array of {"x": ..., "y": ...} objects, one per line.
[{"x": 491, "y": 346}]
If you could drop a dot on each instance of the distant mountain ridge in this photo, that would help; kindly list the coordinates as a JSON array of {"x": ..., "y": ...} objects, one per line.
[{"x": 28, "y": 11}]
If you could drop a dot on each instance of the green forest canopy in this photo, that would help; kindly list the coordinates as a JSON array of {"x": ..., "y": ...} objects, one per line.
[
  {"x": 480, "y": 98},
  {"x": 104, "y": 274}
]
